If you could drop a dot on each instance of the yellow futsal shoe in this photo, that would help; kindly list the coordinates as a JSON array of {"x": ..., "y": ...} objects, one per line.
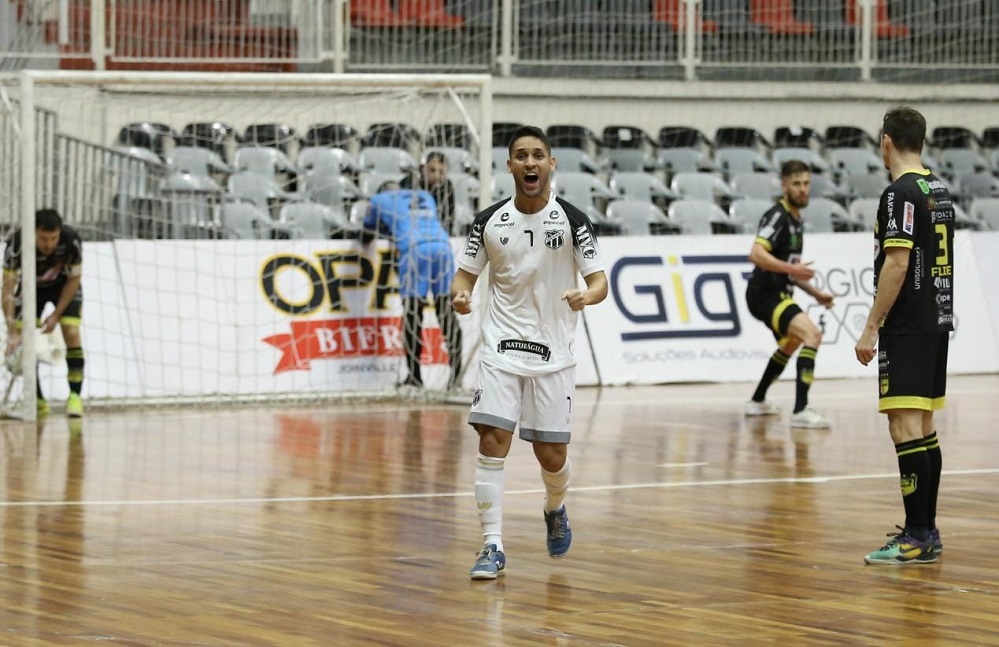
[
  {"x": 74, "y": 406},
  {"x": 42, "y": 408}
]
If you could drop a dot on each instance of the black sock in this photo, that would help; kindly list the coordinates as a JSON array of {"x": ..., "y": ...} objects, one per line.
[
  {"x": 932, "y": 445},
  {"x": 806, "y": 370},
  {"x": 74, "y": 366},
  {"x": 412, "y": 341},
  {"x": 773, "y": 370},
  {"x": 914, "y": 470}
]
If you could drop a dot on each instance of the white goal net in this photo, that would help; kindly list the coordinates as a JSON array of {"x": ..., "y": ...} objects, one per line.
[{"x": 221, "y": 216}]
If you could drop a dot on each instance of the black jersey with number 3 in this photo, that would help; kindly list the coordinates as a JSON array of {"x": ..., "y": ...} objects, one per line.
[{"x": 916, "y": 213}]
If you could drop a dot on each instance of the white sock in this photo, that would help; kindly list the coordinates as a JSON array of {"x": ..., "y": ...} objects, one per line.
[
  {"x": 556, "y": 485},
  {"x": 489, "y": 484}
]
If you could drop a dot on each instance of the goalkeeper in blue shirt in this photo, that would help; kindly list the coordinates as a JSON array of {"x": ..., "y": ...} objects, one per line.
[{"x": 409, "y": 219}]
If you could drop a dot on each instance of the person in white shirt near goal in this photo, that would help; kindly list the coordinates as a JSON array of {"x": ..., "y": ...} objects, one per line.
[{"x": 536, "y": 246}]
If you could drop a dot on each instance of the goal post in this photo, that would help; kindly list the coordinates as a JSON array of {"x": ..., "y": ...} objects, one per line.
[{"x": 180, "y": 304}]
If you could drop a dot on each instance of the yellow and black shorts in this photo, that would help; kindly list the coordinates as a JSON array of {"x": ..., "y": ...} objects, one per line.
[
  {"x": 50, "y": 294},
  {"x": 912, "y": 371},
  {"x": 775, "y": 309}
]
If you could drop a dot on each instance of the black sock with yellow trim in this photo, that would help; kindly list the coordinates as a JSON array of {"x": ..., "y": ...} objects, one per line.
[
  {"x": 74, "y": 367},
  {"x": 773, "y": 370},
  {"x": 932, "y": 445},
  {"x": 806, "y": 371},
  {"x": 914, "y": 470}
]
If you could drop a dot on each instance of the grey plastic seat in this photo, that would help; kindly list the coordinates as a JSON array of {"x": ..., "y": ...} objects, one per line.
[
  {"x": 244, "y": 220},
  {"x": 579, "y": 188},
  {"x": 630, "y": 160},
  {"x": 732, "y": 161},
  {"x": 640, "y": 218},
  {"x": 386, "y": 160},
  {"x": 865, "y": 185},
  {"x": 264, "y": 160},
  {"x": 986, "y": 210},
  {"x": 503, "y": 186},
  {"x": 369, "y": 182},
  {"x": 190, "y": 201},
  {"x": 466, "y": 199},
  {"x": 823, "y": 215},
  {"x": 748, "y": 211},
  {"x": 684, "y": 160},
  {"x": 961, "y": 161},
  {"x": 815, "y": 161},
  {"x": 574, "y": 159},
  {"x": 323, "y": 157},
  {"x": 855, "y": 160},
  {"x": 640, "y": 186},
  {"x": 865, "y": 211},
  {"x": 757, "y": 186},
  {"x": 697, "y": 216},
  {"x": 258, "y": 189},
  {"x": 459, "y": 160},
  {"x": 309, "y": 220},
  {"x": 326, "y": 185},
  {"x": 701, "y": 186},
  {"x": 977, "y": 185},
  {"x": 197, "y": 161}
]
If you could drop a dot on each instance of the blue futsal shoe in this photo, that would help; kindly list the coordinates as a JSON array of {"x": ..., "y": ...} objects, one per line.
[
  {"x": 559, "y": 533},
  {"x": 489, "y": 564}
]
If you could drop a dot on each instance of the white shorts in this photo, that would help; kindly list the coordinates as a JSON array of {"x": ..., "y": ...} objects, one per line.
[{"x": 542, "y": 404}]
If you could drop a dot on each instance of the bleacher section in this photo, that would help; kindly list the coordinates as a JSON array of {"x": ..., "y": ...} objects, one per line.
[{"x": 208, "y": 180}]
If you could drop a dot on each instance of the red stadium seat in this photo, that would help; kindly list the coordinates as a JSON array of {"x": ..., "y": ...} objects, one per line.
[
  {"x": 778, "y": 17},
  {"x": 672, "y": 12},
  {"x": 883, "y": 27},
  {"x": 374, "y": 13},
  {"x": 428, "y": 13}
]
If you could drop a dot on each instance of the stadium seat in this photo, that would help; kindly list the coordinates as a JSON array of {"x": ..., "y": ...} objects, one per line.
[
  {"x": 308, "y": 220},
  {"x": 575, "y": 136},
  {"x": 503, "y": 131},
  {"x": 640, "y": 186},
  {"x": 837, "y": 137},
  {"x": 427, "y": 13},
  {"x": 741, "y": 137},
  {"x": 963, "y": 221},
  {"x": 136, "y": 175},
  {"x": 976, "y": 185},
  {"x": 629, "y": 149},
  {"x": 244, "y": 220},
  {"x": 326, "y": 185},
  {"x": 501, "y": 154},
  {"x": 990, "y": 137},
  {"x": 758, "y": 186},
  {"x": 260, "y": 190},
  {"x": 684, "y": 160},
  {"x": 575, "y": 159},
  {"x": 640, "y": 218},
  {"x": 202, "y": 162},
  {"x": 159, "y": 138},
  {"x": 778, "y": 17},
  {"x": 986, "y": 210},
  {"x": 865, "y": 185},
  {"x": 459, "y": 160},
  {"x": 189, "y": 201},
  {"x": 865, "y": 211},
  {"x": 883, "y": 26},
  {"x": 213, "y": 135},
  {"x": 503, "y": 186},
  {"x": 701, "y": 217},
  {"x": 673, "y": 13},
  {"x": 323, "y": 157},
  {"x": 274, "y": 135},
  {"x": 684, "y": 137},
  {"x": 749, "y": 211},
  {"x": 334, "y": 135},
  {"x": 732, "y": 161},
  {"x": 816, "y": 162},
  {"x": 701, "y": 186},
  {"x": 855, "y": 160},
  {"x": 393, "y": 135},
  {"x": 798, "y": 137},
  {"x": 943, "y": 137},
  {"x": 589, "y": 194},
  {"x": 370, "y": 182},
  {"x": 824, "y": 186},
  {"x": 449, "y": 136},
  {"x": 264, "y": 160},
  {"x": 731, "y": 17},
  {"x": 823, "y": 215},
  {"x": 374, "y": 13},
  {"x": 466, "y": 199},
  {"x": 387, "y": 160},
  {"x": 956, "y": 162}
]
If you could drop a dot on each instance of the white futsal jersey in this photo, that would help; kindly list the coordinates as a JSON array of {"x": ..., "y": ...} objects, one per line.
[{"x": 533, "y": 259}]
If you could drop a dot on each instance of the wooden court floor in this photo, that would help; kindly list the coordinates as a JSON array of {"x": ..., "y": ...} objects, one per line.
[{"x": 355, "y": 525}]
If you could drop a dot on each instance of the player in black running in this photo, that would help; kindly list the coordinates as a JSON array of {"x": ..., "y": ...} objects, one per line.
[
  {"x": 910, "y": 323},
  {"x": 777, "y": 255},
  {"x": 59, "y": 270}
]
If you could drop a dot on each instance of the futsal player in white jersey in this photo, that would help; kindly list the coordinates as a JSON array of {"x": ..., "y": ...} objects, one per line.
[{"x": 536, "y": 246}]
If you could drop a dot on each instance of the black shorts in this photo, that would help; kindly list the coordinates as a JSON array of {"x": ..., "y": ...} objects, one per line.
[
  {"x": 912, "y": 371},
  {"x": 71, "y": 316},
  {"x": 775, "y": 309}
]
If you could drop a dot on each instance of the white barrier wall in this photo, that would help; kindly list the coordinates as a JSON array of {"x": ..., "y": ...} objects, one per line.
[{"x": 187, "y": 318}]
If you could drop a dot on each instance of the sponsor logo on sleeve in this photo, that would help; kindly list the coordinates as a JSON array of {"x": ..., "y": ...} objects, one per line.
[{"x": 909, "y": 219}]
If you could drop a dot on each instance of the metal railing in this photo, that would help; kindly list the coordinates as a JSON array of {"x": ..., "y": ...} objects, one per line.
[{"x": 744, "y": 39}]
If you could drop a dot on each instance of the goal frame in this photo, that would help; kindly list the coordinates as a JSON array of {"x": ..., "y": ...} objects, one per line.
[{"x": 273, "y": 82}]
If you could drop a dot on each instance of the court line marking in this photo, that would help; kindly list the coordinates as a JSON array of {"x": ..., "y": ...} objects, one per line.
[{"x": 456, "y": 495}]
